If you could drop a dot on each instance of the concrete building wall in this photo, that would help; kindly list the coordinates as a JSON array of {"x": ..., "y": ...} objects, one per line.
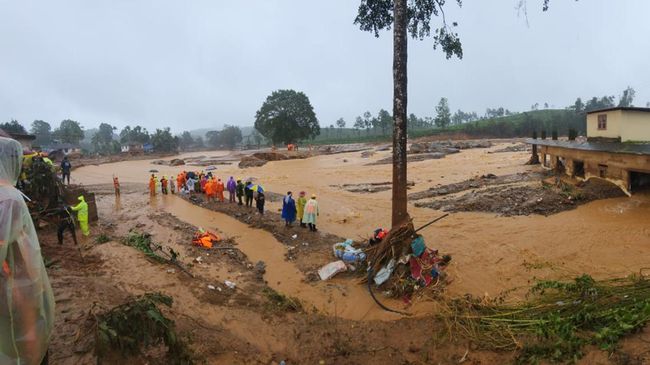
[
  {"x": 614, "y": 121},
  {"x": 635, "y": 127},
  {"x": 614, "y": 167}
]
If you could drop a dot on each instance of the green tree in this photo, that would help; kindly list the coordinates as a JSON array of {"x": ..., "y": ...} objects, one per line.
[
  {"x": 13, "y": 127},
  {"x": 103, "y": 139},
  {"x": 286, "y": 117},
  {"x": 69, "y": 131},
  {"x": 340, "y": 124},
  {"x": 443, "y": 115},
  {"x": 257, "y": 137},
  {"x": 213, "y": 139},
  {"x": 627, "y": 98},
  {"x": 368, "y": 121},
  {"x": 384, "y": 120},
  {"x": 43, "y": 132},
  {"x": 198, "y": 142},
  {"x": 359, "y": 124},
  {"x": 186, "y": 141},
  {"x": 578, "y": 106},
  {"x": 163, "y": 141},
  {"x": 230, "y": 136},
  {"x": 136, "y": 134}
]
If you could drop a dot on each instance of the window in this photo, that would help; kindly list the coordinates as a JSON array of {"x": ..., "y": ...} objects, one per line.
[{"x": 602, "y": 121}]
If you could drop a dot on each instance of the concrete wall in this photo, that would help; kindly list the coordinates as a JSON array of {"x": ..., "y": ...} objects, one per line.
[
  {"x": 616, "y": 165},
  {"x": 635, "y": 127},
  {"x": 614, "y": 119}
]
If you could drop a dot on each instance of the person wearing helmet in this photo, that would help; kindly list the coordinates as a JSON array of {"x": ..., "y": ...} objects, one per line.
[
  {"x": 82, "y": 215},
  {"x": 26, "y": 300}
]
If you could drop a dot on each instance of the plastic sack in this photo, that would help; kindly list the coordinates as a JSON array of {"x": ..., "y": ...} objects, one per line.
[
  {"x": 26, "y": 300},
  {"x": 418, "y": 246},
  {"x": 347, "y": 252},
  {"x": 384, "y": 273},
  {"x": 331, "y": 269}
]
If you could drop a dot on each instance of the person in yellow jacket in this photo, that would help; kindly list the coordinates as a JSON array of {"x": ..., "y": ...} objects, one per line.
[
  {"x": 300, "y": 207},
  {"x": 82, "y": 215}
]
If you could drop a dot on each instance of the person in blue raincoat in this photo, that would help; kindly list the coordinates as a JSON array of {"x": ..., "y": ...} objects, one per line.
[{"x": 288, "y": 210}]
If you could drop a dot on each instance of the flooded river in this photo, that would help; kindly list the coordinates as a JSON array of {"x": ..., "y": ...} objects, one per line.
[{"x": 490, "y": 253}]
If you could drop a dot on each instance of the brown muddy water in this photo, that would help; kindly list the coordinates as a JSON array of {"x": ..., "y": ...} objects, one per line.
[{"x": 491, "y": 254}]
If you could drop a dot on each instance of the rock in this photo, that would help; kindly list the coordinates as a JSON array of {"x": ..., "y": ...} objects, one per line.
[
  {"x": 176, "y": 162},
  {"x": 158, "y": 162},
  {"x": 366, "y": 154}
]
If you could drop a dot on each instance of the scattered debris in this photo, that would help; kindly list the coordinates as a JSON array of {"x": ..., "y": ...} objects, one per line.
[{"x": 328, "y": 271}]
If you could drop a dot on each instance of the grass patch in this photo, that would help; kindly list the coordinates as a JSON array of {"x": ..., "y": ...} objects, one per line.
[
  {"x": 559, "y": 318},
  {"x": 102, "y": 238},
  {"x": 280, "y": 302},
  {"x": 139, "y": 324}
]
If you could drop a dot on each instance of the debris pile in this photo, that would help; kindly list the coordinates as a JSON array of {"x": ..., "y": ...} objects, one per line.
[
  {"x": 448, "y": 147},
  {"x": 402, "y": 264}
]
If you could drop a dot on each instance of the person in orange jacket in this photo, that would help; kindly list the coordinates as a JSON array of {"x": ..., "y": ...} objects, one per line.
[
  {"x": 152, "y": 185},
  {"x": 219, "y": 190},
  {"x": 210, "y": 189}
]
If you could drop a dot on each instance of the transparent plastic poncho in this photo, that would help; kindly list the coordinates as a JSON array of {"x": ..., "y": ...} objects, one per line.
[{"x": 26, "y": 300}]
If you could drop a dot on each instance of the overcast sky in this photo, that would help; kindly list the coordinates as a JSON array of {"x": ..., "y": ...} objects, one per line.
[{"x": 202, "y": 64}]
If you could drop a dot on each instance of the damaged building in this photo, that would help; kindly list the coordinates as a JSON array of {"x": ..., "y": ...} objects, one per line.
[{"x": 617, "y": 149}]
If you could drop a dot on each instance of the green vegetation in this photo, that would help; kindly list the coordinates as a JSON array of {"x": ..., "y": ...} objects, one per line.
[
  {"x": 287, "y": 116},
  {"x": 13, "y": 127},
  {"x": 280, "y": 302},
  {"x": 142, "y": 242},
  {"x": 510, "y": 126},
  {"x": 139, "y": 324},
  {"x": 559, "y": 319},
  {"x": 102, "y": 238}
]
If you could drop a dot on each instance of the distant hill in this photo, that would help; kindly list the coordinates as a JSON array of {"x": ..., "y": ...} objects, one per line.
[{"x": 245, "y": 131}]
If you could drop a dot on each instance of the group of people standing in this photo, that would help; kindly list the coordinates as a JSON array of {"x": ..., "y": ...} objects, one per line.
[
  {"x": 306, "y": 211},
  {"x": 190, "y": 182}
]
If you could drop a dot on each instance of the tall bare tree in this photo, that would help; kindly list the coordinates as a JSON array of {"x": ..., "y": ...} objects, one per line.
[{"x": 405, "y": 17}]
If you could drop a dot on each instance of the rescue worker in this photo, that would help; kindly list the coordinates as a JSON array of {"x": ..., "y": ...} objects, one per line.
[
  {"x": 249, "y": 194},
  {"x": 26, "y": 300},
  {"x": 152, "y": 185},
  {"x": 259, "y": 202},
  {"x": 300, "y": 207},
  {"x": 231, "y": 186},
  {"x": 66, "y": 167},
  {"x": 311, "y": 213},
  {"x": 172, "y": 187},
  {"x": 163, "y": 185},
  {"x": 180, "y": 180},
  {"x": 82, "y": 215},
  {"x": 210, "y": 190},
  {"x": 66, "y": 221},
  {"x": 203, "y": 183},
  {"x": 240, "y": 191},
  {"x": 116, "y": 185},
  {"x": 219, "y": 190}
]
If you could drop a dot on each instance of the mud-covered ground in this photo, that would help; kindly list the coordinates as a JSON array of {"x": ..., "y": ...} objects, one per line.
[
  {"x": 341, "y": 324},
  {"x": 518, "y": 194}
]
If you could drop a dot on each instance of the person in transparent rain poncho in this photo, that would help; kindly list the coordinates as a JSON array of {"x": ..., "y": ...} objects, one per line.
[{"x": 26, "y": 301}]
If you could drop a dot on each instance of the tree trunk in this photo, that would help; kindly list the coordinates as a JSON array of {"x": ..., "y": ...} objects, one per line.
[{"x": 400, "y": 213}]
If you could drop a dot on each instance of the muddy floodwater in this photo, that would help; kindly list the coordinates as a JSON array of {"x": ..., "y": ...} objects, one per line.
[{"x": 491, "y": 253}]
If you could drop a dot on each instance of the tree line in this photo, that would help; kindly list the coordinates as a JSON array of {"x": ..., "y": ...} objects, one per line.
[{"x": 106, "y": 140}]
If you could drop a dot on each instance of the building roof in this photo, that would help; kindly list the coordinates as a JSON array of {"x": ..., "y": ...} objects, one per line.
[
  {"x": 612, "y": 147},
  {"x": 630, "y": 108}
]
